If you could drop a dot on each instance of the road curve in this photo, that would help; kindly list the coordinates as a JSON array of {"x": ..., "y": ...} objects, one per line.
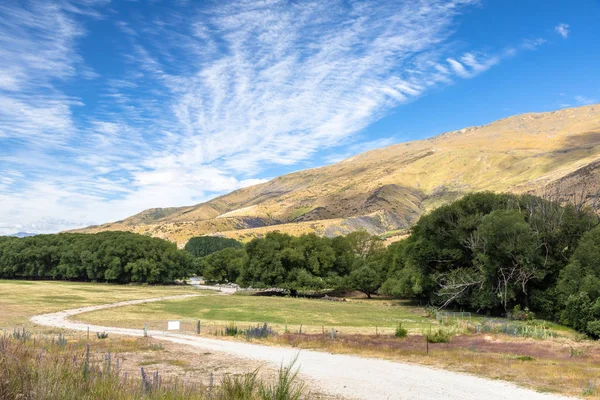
[{"x": 352, "y": 377}]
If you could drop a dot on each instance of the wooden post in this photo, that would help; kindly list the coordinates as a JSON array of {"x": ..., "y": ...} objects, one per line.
[
  {"x": 427, "y": 344},
  {"x": 198, "y": 327},
  {"x": 300, "y": 331}
]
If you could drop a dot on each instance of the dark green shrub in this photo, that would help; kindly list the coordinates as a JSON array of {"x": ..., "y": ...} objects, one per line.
[
  {"x": 437, "y": 336},
  {"x": 521, "y": 315},
  {"x": 401, "y": 331}
]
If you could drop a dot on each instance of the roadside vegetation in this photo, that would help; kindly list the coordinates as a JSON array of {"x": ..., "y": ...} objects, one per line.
[{"x": 39, "y": 367}]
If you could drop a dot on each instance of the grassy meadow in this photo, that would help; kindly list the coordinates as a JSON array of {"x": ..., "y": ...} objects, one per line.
[
  {"x": 352, "y": 316},
  {"x": 20, "y": 300}
]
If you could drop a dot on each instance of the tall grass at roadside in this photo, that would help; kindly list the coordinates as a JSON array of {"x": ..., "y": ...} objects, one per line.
[{"x": 37, "y": 370}]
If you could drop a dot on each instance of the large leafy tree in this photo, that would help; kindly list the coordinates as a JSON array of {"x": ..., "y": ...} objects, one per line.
[
  {"x": 201, "y": 246},
  {"x": 490, "y": 252},
  {"x": 225, "y": 265}
]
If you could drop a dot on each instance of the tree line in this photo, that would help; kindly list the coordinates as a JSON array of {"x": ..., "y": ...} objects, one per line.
[
  {"x": 486, "y": 252},
  {"x": 118, "y": 257}
]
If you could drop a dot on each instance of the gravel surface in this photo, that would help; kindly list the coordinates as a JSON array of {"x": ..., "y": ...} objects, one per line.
[{"x": 349, "y": 376}]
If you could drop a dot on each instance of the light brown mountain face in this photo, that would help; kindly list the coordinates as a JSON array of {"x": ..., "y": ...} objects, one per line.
[{"x": 387, "y": 190}]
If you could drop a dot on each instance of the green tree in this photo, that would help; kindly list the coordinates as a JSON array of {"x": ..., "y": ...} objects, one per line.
[
  {"x": 505, "y": 251},
  {"x": 582, "y": 274},
  {"x": 225, "y": 265},
  {"x": 201, "y": 246},
  {"x": 366, "y": 279}
]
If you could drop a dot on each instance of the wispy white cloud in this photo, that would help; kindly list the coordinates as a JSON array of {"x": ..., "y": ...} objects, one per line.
[
  {"x": 533, "y": 44},
  {"x": 583, "y": 100},
  {"x": 208, "y": 98},
  {"x": 577, "y": 101},
  {"x": 562, "y": 30}
]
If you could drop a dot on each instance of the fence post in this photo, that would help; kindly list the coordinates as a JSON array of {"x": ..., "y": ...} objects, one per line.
[
  {"x": 198, "y": 327},
  {"x": 300, "y": 331},
  {"x": 332, "y": 333}
]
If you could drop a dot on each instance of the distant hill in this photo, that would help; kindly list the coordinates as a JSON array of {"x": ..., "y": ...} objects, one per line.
[
  {"x": 23, "y": 234},
  {"x": 387, "y": 190}
]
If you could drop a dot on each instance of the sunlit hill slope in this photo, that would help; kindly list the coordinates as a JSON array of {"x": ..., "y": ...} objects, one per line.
[{"x": 386, "y": 190}]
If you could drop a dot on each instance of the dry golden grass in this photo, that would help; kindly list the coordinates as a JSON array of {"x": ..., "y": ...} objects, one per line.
[{"x": 542, "y": 365}]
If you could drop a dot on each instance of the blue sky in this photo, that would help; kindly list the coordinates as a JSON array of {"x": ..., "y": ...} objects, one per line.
[{"x": 109, "y": 108}]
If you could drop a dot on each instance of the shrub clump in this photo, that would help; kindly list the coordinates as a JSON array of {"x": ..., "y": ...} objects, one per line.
[
  {"x": 401, "y": 331},
  {"x": 437, "y": 335},
  {"x": 519, "y": 314}
]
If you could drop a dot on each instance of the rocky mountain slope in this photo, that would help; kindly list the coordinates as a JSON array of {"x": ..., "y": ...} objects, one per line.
[{"x": 388, "y": 189}]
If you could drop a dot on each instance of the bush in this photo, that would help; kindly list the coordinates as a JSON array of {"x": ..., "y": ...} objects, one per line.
[
  {"x": 593, "y": 328},
  {"x": 521, "y": 315},
  {"x": 401, "y": 331},
  {"x": 437, "y": 336}
]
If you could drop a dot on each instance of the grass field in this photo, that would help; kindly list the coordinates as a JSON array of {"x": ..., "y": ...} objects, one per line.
[
  {"x": 353, "y": 316},
  {"x": 20, "y": 300},
  {"x": 564, "y": 364}
]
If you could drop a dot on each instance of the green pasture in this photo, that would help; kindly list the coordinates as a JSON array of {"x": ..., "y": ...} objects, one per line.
[{"x": 353, "y": 316}]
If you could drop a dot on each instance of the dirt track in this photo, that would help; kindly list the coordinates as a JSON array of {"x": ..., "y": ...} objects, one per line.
[{"x": 349, "y": 376}]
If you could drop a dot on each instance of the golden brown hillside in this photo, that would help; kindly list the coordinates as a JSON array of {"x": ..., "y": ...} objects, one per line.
[{"x": 388, "y": 189}]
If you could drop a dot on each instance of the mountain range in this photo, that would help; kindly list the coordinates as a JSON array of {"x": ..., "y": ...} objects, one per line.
[
  {"x": 22, "y": 234},
  {"x": 386, "y": 190}
]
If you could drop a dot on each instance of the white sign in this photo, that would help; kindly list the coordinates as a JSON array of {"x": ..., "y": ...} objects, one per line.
[{"x": 173, "y": 325}]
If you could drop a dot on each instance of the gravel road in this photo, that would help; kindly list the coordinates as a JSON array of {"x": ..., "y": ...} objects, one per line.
[{"x": 351, "y": 377}]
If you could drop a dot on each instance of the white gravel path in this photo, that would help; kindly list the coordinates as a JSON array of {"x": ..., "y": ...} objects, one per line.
[{"x": 349, "y": 376}]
